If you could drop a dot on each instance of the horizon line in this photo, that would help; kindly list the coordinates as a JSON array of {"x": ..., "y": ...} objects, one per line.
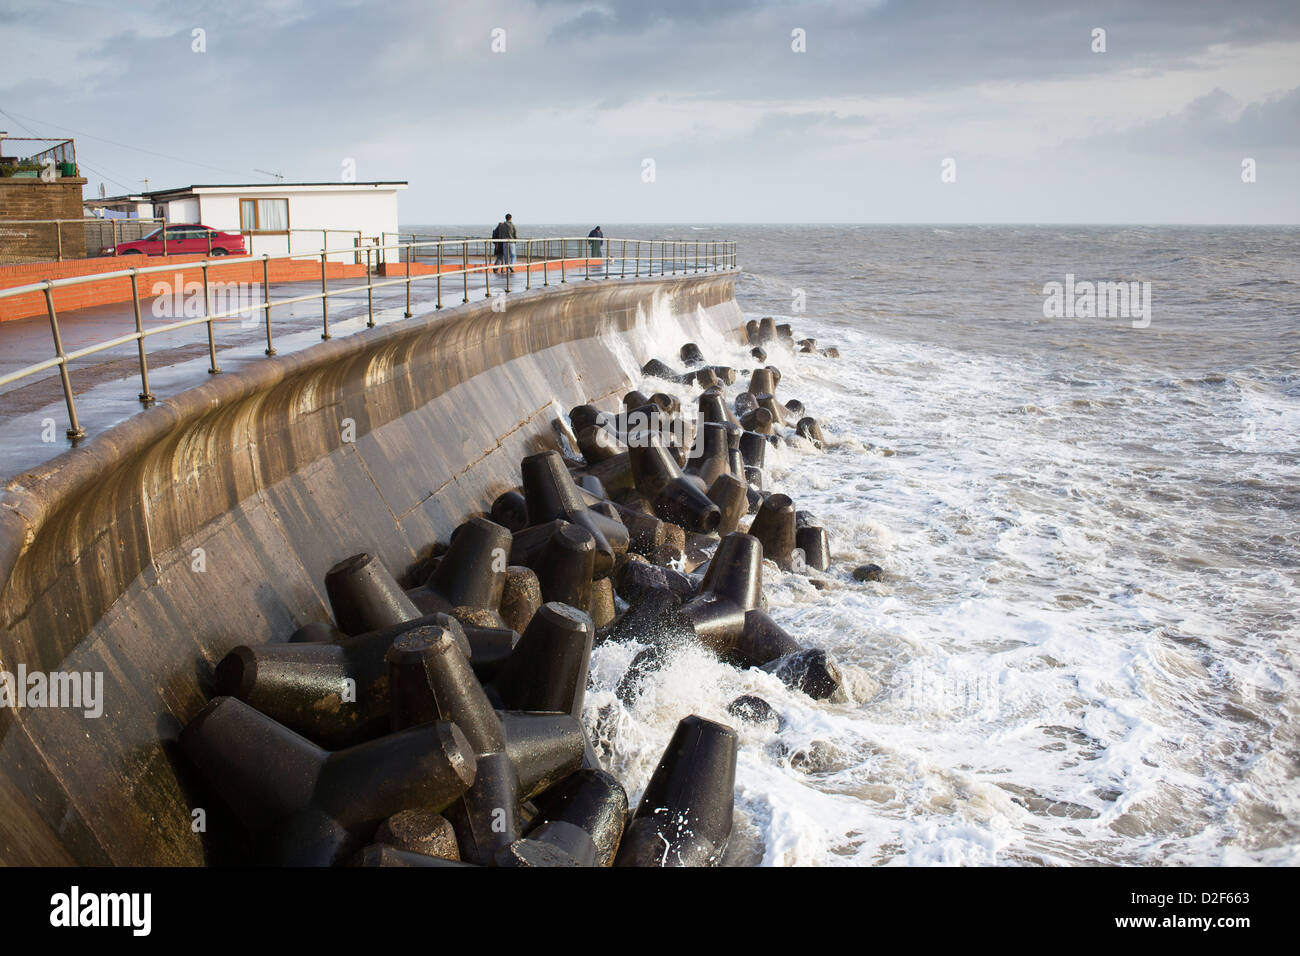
[{"x": 850, "y": 222}]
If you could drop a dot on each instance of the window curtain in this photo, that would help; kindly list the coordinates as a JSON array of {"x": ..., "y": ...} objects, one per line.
[{"x": 273, "y": 214}]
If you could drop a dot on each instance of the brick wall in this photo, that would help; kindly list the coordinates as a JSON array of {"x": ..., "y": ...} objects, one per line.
[
  {"x": 33, "y": 199},
  {"x": 119, "y": 289}
]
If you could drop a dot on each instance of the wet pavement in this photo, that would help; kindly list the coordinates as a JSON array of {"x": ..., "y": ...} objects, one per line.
[{"x": 106, "y": 385}]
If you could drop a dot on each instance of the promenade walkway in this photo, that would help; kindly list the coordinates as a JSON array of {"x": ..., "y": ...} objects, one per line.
[{"x": 33, "y": 415}]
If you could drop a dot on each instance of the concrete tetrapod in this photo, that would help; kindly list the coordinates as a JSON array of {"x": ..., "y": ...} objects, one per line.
[
  {"x": 725, "y": 618},
  {"x": 579, "y": 822},
  {"x": 763, "y": 640},
  {"x": 584, "y": 416},
  {"x": 811, "y": 670},
  {"x": 510, "y": 510},
  {"x": 769, "y": 404},
  {"x": 757, "y": 420},
  {"x": 684, "y": 817},
  {"x": 774, "y": 527},
  {"x": 754, "y": 710},
  {"x": 753, "y": 448},
  {"x": 521, "y": 597},
  {"x": 673, "y": 497},
  {"x": 544, "y": 748},
  {"x": 815, "y": 544},
  {"x": 645, "y": 532},
  {"x": 364, "y": 596},
  {"x": 709, "y": 458},
  {"x": 603, "y": 608},
  {"x": 657, "y": 369},
  {"x": 430, "y": 679},
  {"x": 311, "y": 807},
  {"x": 551, "y": 494},
  {"x": 566, "y": 566},
  {"x": 762, "y": 381},
  {"x": 809, "y": 429},
  {"x": 667, "y": 403},
  {"x": 548, "y": 669},
  {"x": 732, "y": 585},
  {"x": 472, "y": 573},
  {"x": 334, "y": 693},
  {"x": 736, "y": 464},
  {"x": 519, "y": 754},
  {"x": 598, "y": 443},
  {"x": 706, "y": 378},
  {"x": 526, "y": 546},
  {"x": 419, "y": 831},
  {"x": 713, "y": 408},
  {"x": 314, "y": 632},
  {"x": 728, "y": 492}
]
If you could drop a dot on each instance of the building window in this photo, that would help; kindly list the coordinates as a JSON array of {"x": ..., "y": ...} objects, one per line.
[{"x": 264, "y": 215}]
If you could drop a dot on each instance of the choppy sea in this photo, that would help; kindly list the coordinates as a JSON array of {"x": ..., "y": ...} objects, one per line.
[{"x": 1086, "y": 645}]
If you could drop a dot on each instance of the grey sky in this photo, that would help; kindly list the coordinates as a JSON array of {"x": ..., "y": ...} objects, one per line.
[{"x": 740, "y": 127}]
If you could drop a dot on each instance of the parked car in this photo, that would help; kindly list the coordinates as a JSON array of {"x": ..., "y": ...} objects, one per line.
[{"x": 181, "y": 239}]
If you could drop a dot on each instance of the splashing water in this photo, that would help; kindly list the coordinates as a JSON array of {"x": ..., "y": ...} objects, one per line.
[{"x": 1083, "y": 649}]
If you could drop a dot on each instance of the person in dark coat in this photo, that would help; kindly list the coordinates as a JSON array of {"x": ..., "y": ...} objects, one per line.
[
  {"x": 503, "y": 253},
  {"x": 498, "y": 248},
  {"x": 595, "y": 236}
]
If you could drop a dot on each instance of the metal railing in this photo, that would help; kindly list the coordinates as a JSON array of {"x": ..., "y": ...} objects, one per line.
[
  {"x": 38, "y": 240},
  {"x": 458, "y": 261},
  {"x": 410, "y": 243}
]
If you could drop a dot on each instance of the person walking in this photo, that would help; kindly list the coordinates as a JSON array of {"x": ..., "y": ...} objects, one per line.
[
  {"x": 503, "y": 251},
  {"x": 498, "y": 248}
]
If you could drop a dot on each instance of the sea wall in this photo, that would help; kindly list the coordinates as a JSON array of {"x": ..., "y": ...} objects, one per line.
[{"x": 209, "y": 520}]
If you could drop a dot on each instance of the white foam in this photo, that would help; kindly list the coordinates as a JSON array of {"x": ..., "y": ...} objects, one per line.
[{"x": 1063, "y": 664}]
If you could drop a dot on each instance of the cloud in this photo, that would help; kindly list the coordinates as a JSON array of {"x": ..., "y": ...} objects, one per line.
[
  {"x": 560, "y": 122},
  {"x": 1216, "y": 122}
]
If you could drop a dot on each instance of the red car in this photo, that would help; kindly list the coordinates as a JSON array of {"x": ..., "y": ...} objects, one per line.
[{"x": 182, "y": 239}]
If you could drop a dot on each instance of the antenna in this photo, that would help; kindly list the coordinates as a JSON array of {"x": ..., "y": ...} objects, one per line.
[{"x": 279, "y": 177}]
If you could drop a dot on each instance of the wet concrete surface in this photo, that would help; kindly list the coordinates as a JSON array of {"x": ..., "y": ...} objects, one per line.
[{"x": 106, "y": 386}]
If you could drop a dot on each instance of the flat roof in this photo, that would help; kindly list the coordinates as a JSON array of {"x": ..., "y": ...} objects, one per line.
[{"x": 181, "y": 190}]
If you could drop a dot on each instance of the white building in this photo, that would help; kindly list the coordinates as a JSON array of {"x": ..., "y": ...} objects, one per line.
[{"x": 276, "y": 218}]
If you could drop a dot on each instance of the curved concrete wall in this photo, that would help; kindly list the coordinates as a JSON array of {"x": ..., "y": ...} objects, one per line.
[{"x": 98, "y": 549}]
